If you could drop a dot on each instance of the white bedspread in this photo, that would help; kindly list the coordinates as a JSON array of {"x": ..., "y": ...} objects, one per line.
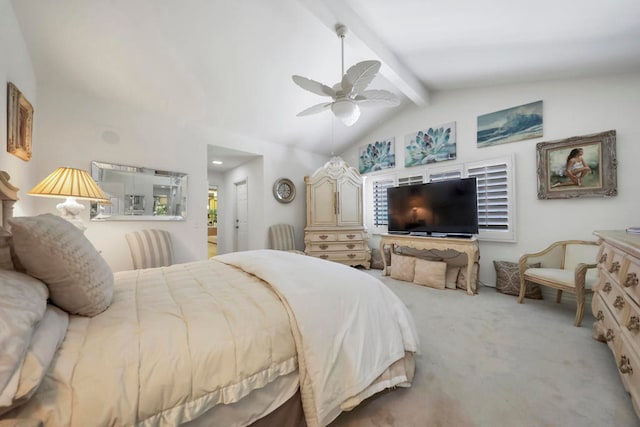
[{"x": 348, "y": 327}]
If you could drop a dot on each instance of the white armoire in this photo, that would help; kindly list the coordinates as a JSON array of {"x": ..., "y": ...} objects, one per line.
[{"x": 335, "y": 228}]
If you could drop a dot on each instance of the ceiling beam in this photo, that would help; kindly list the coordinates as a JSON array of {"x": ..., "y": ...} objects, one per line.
[{"x": 362, "y": 39}]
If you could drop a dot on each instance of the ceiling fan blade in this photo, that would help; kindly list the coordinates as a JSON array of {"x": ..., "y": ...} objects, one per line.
[
  {"x": 377, "y": 98},
  {"x": 318, "y": 108},
  {"x": 359, "y": 76},
  {"x": 313, "y": 86}
]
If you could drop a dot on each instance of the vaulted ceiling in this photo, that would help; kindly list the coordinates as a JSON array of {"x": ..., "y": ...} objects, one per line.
[{"x": 228, "y": 64}]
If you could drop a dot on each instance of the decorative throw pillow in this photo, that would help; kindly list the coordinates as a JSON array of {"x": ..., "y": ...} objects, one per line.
[
  {"x": 461, "y": 283},
  {"x": 430, "y": 273},
  {"x": 451, "y": 278},
  {"x": 508, "y": 280},
  {"x": 402, "y": 267},
  {"x": 58, "y": 253}
]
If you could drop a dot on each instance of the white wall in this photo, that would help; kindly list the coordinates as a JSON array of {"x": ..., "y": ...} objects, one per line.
[
  {"x": 570, "y": 108},
  {"x": 15, "y": 67}
]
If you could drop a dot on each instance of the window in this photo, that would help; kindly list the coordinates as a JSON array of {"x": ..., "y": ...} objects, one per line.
[
  {"x": 496, "y": 204},
  {"x": 496, "y": 200}
]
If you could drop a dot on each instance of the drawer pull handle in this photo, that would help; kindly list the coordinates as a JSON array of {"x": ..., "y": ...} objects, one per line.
[
  {"x": 603, "y": 258},
  {"x": 615, "y": 266},
  {"x": 607, "y": 287},
  {"x": 323, "y": 256},
  {"x": 324, "y": 247},
  {"x": 625, "y": 365},
  {"x": 632, "y": 280},
  {"x": 619, "y": 302},
  {"x": 323, "y": 236},
  {"x": 609, "y": 336},
  {"x": 600, "y": 315},
  {"x": 351, "y": 236},
  {"x": 634, "y": 323},
  {"x": 351, "y": 256},
  {"x": 351, "y": 246}
]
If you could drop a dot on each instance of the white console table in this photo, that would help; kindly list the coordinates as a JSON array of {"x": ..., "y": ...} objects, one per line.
[{"x": 468, "y": 246}]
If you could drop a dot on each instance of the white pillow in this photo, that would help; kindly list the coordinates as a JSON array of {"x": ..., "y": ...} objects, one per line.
[
  {"x": 58, "y": 253},
  {"x": 23, "y": 301}
]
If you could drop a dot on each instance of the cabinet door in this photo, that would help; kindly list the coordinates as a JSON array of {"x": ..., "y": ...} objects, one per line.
[
  {"x": 322, "y": 211},
  {"x": 349, "y": 202}
]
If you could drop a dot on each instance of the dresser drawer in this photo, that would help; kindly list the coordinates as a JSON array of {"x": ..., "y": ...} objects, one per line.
[
  {"x": 631, "y": 322},
  {"x": 341, "y": 256},
  {"x": 629, "y": 277},
  {"x": 611, "y": 259},
  {"x": 606, "y": 323},
  {"x": 612, "y": 294},
  {"x": 322, "y": 237},
  {"x": 628, "y": 363},
  {"x": 351, "y": 236},
  {"x": 336, "y": 246}
]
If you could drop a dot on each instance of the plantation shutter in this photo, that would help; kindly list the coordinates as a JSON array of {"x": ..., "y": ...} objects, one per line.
[
  {"x": 410, "y": 180},
  {"x": 443, "y": 176},
  {"x": 380, "y": 201},
  {"x": 493, "y": 196}
]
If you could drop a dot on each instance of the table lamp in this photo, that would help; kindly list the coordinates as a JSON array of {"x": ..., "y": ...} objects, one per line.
[{"x": 71, "y": 184}]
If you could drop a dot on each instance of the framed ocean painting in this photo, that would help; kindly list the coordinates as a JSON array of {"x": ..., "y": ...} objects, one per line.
[
  {"x": 377, "y": 156},
  {"x": 432, "y": 145},
  {"x": 510, "y": 125}
]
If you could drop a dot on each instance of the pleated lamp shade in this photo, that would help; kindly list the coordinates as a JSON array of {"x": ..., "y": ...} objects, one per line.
[{"x": 69, "y": 182}]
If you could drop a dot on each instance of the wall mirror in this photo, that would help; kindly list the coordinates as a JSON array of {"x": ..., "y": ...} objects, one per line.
[{"x": 139, "y": 194}]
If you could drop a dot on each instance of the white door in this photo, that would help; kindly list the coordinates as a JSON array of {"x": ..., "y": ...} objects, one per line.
[{"x": 241, "y": 220}]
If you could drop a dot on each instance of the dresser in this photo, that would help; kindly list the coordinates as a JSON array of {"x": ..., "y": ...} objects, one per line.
[
  {"x": 335, "y": 228},
  {"x": 616, "y": 305}
]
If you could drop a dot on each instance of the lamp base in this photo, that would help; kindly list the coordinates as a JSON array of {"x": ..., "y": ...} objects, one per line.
[{"x": 70, "y": 210}]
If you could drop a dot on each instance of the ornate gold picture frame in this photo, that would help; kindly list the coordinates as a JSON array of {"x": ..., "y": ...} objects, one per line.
[
  {"x": 581, "y": 166},
  {"x": 19, "y": 123}
]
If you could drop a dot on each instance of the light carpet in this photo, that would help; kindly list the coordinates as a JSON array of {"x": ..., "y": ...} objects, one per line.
[{"x": 487, "y": 361}]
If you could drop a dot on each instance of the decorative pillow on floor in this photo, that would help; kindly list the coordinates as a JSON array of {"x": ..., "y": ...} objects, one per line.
[
  {"x": 402, "y": 267},
  {"x": 508, "y": 280},
  {"x": 461, "y": 283},
  {"x": 55, "y": 251},
  {"x": 451, "y": 277},
  {"x": 430, "y": 273}
]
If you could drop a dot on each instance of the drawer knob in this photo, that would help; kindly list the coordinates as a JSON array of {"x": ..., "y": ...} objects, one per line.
[
  {"x": 324, "y": 247},
  {"x": 632, "y": 280},
  {"x": 603, "y": 258},
  {"x": 634, "y": 323},
  {"x": 351, "y": 256},
  {"x": 323, "y": 236},
  {"x": 625, "y": 365},
  {"x": 619, "y": 302},
  {"x": 351, "y": 246},
  {"x": 607, "y": 287},
  {"x": 600, "y": 315},
  {"x": 351, "y": 236},
  {"x": 609, "y": 336},
  {"x": 615, "y": 266},
  {"x": 324, "y": 256}
]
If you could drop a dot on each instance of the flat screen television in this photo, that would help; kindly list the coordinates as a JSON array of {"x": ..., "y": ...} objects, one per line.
[{"x": 442, "y": 208}]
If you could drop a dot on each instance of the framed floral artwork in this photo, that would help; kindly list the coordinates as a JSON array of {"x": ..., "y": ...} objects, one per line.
[
  {"x": 581, "y": 166},
  {"x": 377, "y": 156},
  {"x": 434, "y": 144}
]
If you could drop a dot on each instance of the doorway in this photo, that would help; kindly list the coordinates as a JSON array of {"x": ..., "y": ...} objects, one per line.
[
  {"x": 212, "y": 222},
  {"x": 241, "y": 241}
]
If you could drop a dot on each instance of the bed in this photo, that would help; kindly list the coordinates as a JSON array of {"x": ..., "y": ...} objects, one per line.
[{"x": 250, "y": 338}]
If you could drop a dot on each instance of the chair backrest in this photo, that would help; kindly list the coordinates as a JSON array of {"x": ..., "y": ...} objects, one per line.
[
  {"x": 150, "y": 248},
  {"x": 282, "y": 237},
  {"x": 575, "y": 253}
]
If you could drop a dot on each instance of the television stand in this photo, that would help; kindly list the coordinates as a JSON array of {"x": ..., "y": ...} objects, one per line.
[{"x": 466, "y": 245}]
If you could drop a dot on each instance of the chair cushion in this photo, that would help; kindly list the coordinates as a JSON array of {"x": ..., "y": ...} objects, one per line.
[
  {"x": 562, "y": 276},
  {"x": 508, "y": 280}
]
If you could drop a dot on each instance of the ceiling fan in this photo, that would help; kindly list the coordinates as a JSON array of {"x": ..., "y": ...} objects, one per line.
[{"x": 350, "y": 93}]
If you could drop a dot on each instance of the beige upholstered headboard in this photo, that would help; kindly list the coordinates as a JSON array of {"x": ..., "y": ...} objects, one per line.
[{"x": 8, "y": 195}]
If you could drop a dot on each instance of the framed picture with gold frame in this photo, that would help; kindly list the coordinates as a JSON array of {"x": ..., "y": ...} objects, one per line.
[
  {"x": 19, "y": 123},
  {"x": 581, "y": 166}
]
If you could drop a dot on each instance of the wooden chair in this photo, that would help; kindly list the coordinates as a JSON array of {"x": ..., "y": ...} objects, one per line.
[
  {"x": 568, "y": 265},
  {"x": 150, "y": 248}
]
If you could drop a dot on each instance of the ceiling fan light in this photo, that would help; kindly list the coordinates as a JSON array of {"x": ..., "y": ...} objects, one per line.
[{"x": 346, "y": 110}]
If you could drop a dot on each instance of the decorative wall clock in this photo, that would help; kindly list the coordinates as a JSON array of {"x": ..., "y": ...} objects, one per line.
[{"x": 284, "y": 190}]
